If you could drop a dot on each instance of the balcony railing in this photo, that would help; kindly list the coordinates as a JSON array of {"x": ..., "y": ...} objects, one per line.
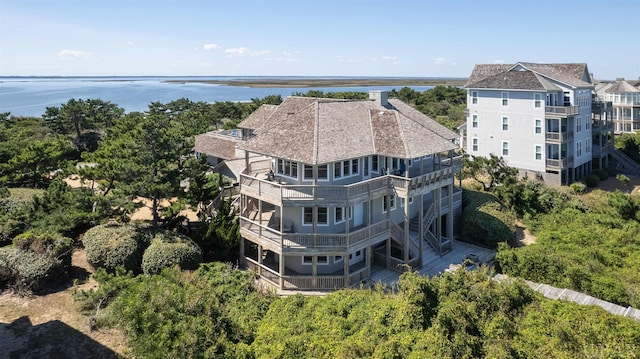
[
  {"x": 296, "y": 241},
  {"x": 562, "y": 111},
  {"x": 560, "y": 163},
  {"x": 275, "y": 192},
  {"x": 559, "y": 136}
]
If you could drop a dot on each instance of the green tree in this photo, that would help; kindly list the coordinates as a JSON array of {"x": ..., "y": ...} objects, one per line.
[
  {"x": 33, "y": 163},
  {"x": 489, "y": 172}
]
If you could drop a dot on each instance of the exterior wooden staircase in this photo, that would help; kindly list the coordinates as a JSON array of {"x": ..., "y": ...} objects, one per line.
[{"x": 441, "y": 245}]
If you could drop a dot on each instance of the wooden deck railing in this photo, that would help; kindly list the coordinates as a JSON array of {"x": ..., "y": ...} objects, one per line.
[
  {"x": 562, "y": 110},
  {"x": 341, "y": 241}
]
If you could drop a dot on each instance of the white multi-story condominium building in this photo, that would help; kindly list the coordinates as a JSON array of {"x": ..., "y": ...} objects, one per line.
[
  {"x": 625, "y": 99},
  {"x": 538, "y": 117},
  {"x": 331, "y": 187}
]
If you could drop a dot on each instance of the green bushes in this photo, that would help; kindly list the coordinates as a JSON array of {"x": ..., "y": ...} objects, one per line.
[
  {"x": 33, "y": 260},
  {"x": 578, "y": 187},
  {"x": 485, "y": 221},
  {"x": 592, "y": 180},
  {"x": 602, "y": 174},
  {"x": 112, "y": 245},
  {"x": 136, "y": 249},
  {"x": 168, "y": 249}
]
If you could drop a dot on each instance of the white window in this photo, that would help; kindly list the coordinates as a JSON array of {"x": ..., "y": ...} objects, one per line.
[
  {"x": 474, "y": 121},
  {"x": 537, "y": 100},
  {"x": 346, "y": 168},
  {"x": 322, "y": 172},
  {"x": 578, "y": 149},
  {"x": 402, "y": 201},
  {"x": 339, "y": 214},
  {"x": 392, "y": 203},
  {"x": 474, "y": 142},
  {"x": 538, "y": 126},
  {"x": 505, "y": 99},
  {"x": 374, "y": 164},
  {"x": 308, "y": 260},
  {"x": 474, "y": 97},
  {"x": 505, "y": 123},
  {"x": 321, "y": 216},
  {"x": 587, "y": 122},
  {"x": 578, "y": 124},
  {"x": 287, "y": 168},
  {"x": 505, "y": 148},
  {"x": 538, "y": 150}
]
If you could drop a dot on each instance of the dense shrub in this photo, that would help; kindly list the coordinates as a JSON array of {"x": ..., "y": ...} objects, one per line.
[
  {"x": 578, "y": 187},
  {"x": 592, "y": 180},
  {"x": 52, "y": 244},
  {"x": 168, "y": 249},
  {"x": 27, "y": 270},
  {"x": 602, "y": 174},
  {"x": 112, "y": 245},
  {"x": 485, "y": 221}
]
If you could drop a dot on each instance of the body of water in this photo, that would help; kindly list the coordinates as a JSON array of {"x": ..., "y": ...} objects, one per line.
[{"x": 30, "y": 96}]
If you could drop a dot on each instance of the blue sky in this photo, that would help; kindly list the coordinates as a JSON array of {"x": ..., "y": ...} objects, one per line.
[{"x": 420, "y": 38}]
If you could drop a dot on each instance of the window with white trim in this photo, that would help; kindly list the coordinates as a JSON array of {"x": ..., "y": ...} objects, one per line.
[
  {"x": 321, "y": 215},
  {"x": 505, "y": 123},
  {"x": 538, "y": 151},
  {"x": 402, "y": 201},
  {"x": 505, "y": 99},
  {"x": 578, "y": 148},
  {"x": 374, "y": 164},
  {"x": 287, "y": 168},
  {"x": 505, "y": 148},
  {"x": 474, "y": 121},
  {"x": 392, "y": 203},
  {"x": 537, "y": 100},
  {"x": 474, "y": 144},
  {"x": 538, "y": 126},
  {"x": 346, "y": 168},
  {"x": 578, "y": 124},
  {"x": 339, "y": 214},
  {"x": 337, "y": 170},
  {"x": 587, "y": 122},
  {"x": 474, "y": 97}
]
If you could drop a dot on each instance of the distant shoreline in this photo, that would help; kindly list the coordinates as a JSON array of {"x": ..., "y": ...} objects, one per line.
[{"x": 332, "y": 82}]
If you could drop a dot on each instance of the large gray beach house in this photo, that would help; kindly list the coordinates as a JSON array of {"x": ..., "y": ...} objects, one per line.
[{"x": 329, "y": 188}]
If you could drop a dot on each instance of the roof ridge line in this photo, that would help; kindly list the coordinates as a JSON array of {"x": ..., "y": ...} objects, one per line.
[{"x": 316, "y": 133}]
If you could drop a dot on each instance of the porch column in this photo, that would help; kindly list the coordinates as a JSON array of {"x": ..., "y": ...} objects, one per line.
[
  {"x": 407, "y": 238},
  {"x": 346, "y": 270},
  {"x": 281, "y": 270},
  {"x": 439, "y": 219},
  {"x": 259, "y": 259},
  {"x": 421, "y": 230},
  {"x": 387, "y": 203},
  {"x": 314, "y": 271},
  {"x": 450, "y": 221}
]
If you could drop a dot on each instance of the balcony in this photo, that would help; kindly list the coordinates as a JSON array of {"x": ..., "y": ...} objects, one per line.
[
  {"x": 304, "y": 243},
  {"x": 342, "y": 196},
  {"x": 561, "y": 111},
  {"x": 558, "y": 164},
  {"x": 559, "y": 137},
  {"x": 602, "y": 127}
]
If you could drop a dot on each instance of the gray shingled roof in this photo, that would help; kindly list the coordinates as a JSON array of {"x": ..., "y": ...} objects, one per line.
[
  {"x": 622, "y": 86},
  {"x": 575, "y": 74},
  {"x": 254, "y": 120},
  {"x": 328, "y": 130},
  {"x": 528, "y": 76},
  {"x": 212, "y": 144}
]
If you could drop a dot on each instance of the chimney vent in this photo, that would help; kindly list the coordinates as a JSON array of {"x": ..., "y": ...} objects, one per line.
[{"x": 381, "y": 97}]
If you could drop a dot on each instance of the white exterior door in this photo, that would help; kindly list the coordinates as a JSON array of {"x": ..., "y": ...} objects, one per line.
[
  {"x": 358, "y": 214},
  {"x": 366, "y": 168}
]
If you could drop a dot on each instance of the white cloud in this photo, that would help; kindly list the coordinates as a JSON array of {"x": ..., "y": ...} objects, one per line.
[
  {"x": 243, "y": 51},
  {"x": 210, "y": 47},
  {"x": 73, "y": 54},
  {"x": 440, "y": 60},
  {"x": 389, "y": 58},
  {"x": 498, "y": 61},
  {"x": 130, "y": 43}
]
